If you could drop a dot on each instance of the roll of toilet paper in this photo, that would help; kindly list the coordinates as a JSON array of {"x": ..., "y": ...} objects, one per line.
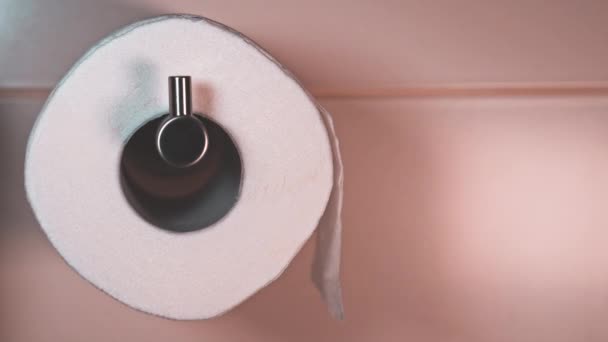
[{"x": 291, "y": 179}]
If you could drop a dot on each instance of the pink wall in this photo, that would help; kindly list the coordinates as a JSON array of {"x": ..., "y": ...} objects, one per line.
[{"x": 478, "y": 216}]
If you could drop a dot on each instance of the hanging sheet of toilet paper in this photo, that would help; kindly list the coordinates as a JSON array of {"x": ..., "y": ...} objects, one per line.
[{"x": 291, "y": 184}]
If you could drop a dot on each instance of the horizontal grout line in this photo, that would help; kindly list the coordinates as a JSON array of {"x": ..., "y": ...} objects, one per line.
[
  {"x": 464, "y": 90},
  {"x": 472, "y": 90}
]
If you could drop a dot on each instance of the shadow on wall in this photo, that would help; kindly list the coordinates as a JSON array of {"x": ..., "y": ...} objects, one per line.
[
  {"x": 59, "y": 32},
  {"x": 17, "y": 117}
]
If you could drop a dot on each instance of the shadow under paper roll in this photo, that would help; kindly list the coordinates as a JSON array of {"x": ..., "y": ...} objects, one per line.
[{"x": 181, "y": 199}]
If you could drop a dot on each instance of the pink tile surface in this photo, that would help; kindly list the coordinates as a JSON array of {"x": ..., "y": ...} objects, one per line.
[
  {"x": 466, "y": 219},
  {"x": 340, "y": 44}
]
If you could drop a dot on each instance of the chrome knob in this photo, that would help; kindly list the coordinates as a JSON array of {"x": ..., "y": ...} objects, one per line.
[{"x": 181, "y": 139}]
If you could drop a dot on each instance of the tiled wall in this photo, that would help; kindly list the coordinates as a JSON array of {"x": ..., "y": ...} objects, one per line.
[{"x": 475, "y": 142}]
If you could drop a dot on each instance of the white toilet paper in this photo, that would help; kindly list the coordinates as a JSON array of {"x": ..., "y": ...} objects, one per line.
[{"x": 292, "y": 173}]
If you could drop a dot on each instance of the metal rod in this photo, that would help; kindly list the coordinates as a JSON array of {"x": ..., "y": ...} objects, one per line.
[{"x": 180, "y": 96}]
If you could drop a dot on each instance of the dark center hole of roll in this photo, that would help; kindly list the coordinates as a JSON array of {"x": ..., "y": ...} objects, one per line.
[{"x": 181, "y": 199}]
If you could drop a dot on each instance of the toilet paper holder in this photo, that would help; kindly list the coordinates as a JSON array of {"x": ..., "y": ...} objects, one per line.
[
  {"x": 182, "y": 139},
  {"x": 181, "y": 171}
]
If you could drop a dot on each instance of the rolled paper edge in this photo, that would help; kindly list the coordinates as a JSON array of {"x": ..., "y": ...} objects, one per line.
[{"x": 326, "y": 263}]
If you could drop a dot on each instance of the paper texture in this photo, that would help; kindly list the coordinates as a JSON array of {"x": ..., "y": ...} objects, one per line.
[{"x": 291, "y": 184}]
